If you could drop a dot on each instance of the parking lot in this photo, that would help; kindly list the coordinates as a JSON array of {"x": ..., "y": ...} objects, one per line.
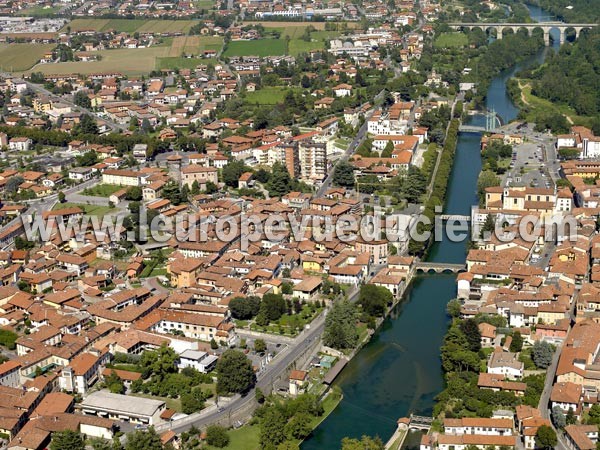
[{"x": 533, "y": 163}]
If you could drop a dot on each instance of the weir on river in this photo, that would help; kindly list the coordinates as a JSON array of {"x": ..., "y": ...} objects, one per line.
[{"x": 399, "y": 371}]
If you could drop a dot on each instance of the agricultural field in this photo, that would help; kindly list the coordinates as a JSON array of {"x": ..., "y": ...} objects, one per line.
[
  {"x": 194, "y": 45},
  {"x": 260, "y": 47},
  {"x": 136, "y": 61},
  {"x": 131, "y": 26},
  {"x": 451, "y": 40},
  {"x": 19, "y": 57}
]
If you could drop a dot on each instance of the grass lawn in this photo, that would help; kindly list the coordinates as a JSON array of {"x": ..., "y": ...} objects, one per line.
[
  {"x": 266, "y": 96},
  {"x": 172, "y": 403},
  {"x": 158, "y": 271},
  {"x": 244, "y": 438},
  {"x": 102, "y": 190},
  {"x": 259, "y": 47},
  {"x": 40, "y": 11},
  {"x": 91, "y": 210},
  {"x": 18, "y": 57},
  {"x": 297, "y": 46},
  {"x": 451, "y": 40},
  {"x": 205, "y": 4},
  {"x": 128, "y": 61}
]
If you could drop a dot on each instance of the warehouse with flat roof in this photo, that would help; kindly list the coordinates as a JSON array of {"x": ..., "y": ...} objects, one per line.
[{"x": 124, "y": 408}]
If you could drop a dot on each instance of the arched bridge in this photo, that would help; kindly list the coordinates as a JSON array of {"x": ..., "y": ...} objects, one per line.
[
  {"x": 440, "y": 267},
  {"x": 546, "y": 27}
]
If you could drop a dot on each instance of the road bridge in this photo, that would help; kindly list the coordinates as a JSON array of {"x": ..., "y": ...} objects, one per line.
[
  {"x": 425, "y": 266},
  {"x": 546, "y": 27}
]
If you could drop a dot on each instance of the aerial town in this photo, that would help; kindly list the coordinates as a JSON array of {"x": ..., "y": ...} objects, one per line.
[{"x": 273, "y": 225}]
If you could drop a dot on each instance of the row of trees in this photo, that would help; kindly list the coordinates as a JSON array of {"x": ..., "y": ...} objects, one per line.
[{"x": 440, "y": 185}]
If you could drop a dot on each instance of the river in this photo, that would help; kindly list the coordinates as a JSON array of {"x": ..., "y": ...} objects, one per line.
[{"x": 399, "y": 370}]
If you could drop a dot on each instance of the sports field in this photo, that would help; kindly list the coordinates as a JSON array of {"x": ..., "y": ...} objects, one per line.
[
  {"x": 19, "y": 57},
  {"x": 194, "y": 45},
  {"x": 131, "y": 26},
  {"x": 259, "y": 47}
]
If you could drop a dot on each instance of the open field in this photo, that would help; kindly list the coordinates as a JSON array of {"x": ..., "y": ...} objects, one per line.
[
  {"x": 130, "y": 26},
  {"x": 18, "y": 57},
  {"x": 260, "y": 47},
  {"x": 266, "y": 96},
  {"x": 195, "y": 45},
  {"x": 134, "y": 61},
  {"x": 451, "y": 40}
]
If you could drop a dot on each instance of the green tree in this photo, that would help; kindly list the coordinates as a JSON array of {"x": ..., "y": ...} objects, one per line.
[
  {"x": 231, "y": 173},
  {"x": 415, "y": 185},
  {"x": 134, "y": 193},
  {"x": 340, "y": 326},
  {"x": 594, "y": 414},
  {"x": 67, "y": 440},
  {"x": 299, "y": 426},
  {"x": 280, "y": 182},
  {"x": 453, "y": 308},
  {"x": 192, "y": 401},
  {"x": 374, "y": 299},
  {"x": 61, "y": 197},
  {"x": 235, "y": 372},
  {"x": 470, "y": 329},
  {"x": 260, "y": 346},
  {"x": 86, "y": 125},
  {"x": 100, "y": 444},
  {"x": 114, "y": 383},
  {"x": 486, "y": 179},
  {"x": 545, "y": 437},
  {"x": 517, "y": 342},
  {"x": 343, "y": 175},
  {"x": 272, "y": 428},
  {"x": 388, "y": 150},
  {"x": 558, "y": 417},
  {"x": 217, "y": 436},
  {"x": 541, "y": 353},
  {"x": 144, "y": 440},
  {"x": 213, "y": 344},
  {"x": 244, "y": 308},
  {"x": 365, "y": 443},
  {"x": 488, "y": 226},
  {"x": 159, "y": 362}
]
